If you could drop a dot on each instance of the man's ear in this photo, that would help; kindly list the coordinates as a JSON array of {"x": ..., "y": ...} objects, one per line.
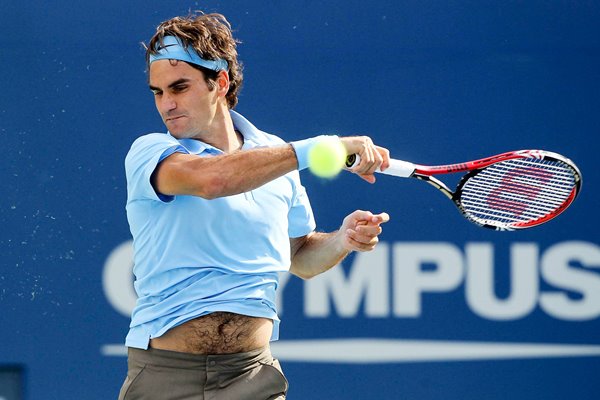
[{"x": 222, "y": 83}]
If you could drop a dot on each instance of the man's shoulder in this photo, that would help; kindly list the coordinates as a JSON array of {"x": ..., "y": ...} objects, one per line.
[
  {"x": 147, "y": 145},
  {"x": 155, "y": 137},
  {"x": 152, "y": 139}
]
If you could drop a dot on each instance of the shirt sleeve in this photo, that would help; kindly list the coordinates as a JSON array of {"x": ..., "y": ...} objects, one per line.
[
  {"x": 141, "y": 161},
  {"x": 301, "y": 220}
]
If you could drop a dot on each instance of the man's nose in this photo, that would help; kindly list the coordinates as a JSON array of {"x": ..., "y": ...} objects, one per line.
[{"x": 167, "y": 103}]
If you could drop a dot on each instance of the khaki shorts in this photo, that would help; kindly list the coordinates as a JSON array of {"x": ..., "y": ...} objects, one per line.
[{"x": 162, "y": 375}]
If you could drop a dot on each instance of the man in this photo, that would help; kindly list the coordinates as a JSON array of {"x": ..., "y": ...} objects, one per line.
[{"x": 217, "y": 210}]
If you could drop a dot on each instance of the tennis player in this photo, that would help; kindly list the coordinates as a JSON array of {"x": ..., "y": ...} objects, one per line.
[{"x": 216, "y": 209}]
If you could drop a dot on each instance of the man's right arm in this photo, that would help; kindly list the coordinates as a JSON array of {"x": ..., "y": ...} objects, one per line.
[
  {"x": 242, "y": 171},
  {"x": 223, "y": 175}
]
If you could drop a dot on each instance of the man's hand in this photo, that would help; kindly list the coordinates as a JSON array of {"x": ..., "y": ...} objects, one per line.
[
  {"x": 360, "y": 230},
  {"x": 371, "y": 156}
]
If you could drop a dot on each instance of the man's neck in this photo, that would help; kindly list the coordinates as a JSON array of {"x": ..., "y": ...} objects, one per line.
[{"x": 223, "y": 134}]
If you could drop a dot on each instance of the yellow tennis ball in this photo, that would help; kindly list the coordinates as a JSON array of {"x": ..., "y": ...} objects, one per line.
[{"x": 326, "y": 158}]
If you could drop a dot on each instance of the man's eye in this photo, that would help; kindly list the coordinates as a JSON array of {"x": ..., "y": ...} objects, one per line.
[{"x": 179, "y": 88}]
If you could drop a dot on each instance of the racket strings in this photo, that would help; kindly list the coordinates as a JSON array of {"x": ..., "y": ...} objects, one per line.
[
  {"x": 517, "y": 191},
  {"x": 527, "y": 181},
  {"x": 513, "y": 206},
  {"x": 543, "y": 194}
]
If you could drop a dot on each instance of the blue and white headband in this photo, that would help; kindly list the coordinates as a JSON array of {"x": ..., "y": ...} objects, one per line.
[{"x": 173, "y": 49}]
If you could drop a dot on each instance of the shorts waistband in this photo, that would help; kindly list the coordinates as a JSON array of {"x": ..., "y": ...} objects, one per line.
[{"x": 221, "y": 362}]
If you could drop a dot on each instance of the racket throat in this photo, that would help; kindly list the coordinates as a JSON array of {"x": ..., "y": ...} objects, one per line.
[{"x": 436, "y": 184}]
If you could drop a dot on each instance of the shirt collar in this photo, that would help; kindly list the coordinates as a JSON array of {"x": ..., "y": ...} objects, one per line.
[
  {"x": 250, "y": 133},
  {"x": 247, "y": 129}
]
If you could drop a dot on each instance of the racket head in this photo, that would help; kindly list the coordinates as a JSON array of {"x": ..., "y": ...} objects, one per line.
[{"x": 522, "y": 190}]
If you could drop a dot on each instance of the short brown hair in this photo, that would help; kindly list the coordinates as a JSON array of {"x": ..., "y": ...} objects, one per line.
[{"x": 210, "y": 35}]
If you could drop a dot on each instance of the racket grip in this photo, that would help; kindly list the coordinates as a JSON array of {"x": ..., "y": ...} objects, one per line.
[{"x": 402, "y": 169}]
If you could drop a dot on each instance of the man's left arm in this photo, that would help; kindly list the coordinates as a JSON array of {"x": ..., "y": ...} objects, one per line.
[{"x": 317, "y": 252}]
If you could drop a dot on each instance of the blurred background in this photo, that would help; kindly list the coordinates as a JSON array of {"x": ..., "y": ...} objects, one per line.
[{"x": 442, "y": 309}]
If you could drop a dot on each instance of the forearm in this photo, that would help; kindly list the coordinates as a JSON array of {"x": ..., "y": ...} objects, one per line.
[
  {"x": 316, "y": 253},
  {"x": 247, "y": 170},
  {"x": 224, "y": 175}
]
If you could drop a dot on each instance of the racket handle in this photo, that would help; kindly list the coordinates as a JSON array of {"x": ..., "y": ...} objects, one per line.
[{"x": 402, "y": 169}]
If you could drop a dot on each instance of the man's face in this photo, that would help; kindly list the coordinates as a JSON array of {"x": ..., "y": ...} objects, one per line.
[{"x": 182, "y": 98}]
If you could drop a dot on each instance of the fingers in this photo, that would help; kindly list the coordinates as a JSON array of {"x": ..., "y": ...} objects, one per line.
[
  {"x": 360, "y": 217},
  {"x": 364, "y": 237},
  {"x": 358, "y": 242},
  {"x": 362, "y": 230},
  {"x": 385, "y": 155},
  {"x": 380, "y": 218},
  {"x": 372, "y": 157},
  {"x": 368, "y": 178}
]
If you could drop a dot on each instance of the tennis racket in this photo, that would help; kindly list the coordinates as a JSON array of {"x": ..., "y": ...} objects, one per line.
[{"x": 509, "y": 191}]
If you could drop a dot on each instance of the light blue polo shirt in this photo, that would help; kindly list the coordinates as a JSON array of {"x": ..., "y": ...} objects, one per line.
[{"x": 195, "y": 256}]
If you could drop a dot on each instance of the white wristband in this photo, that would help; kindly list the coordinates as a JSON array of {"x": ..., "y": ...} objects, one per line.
[{"x": 301, "y": 147}]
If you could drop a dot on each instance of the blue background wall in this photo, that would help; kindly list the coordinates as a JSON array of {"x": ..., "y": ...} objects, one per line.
[{"x": 434, "y": 81}]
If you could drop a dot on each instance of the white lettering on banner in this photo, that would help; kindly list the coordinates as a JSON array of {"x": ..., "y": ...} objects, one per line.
[
  {"x": 556, "y": 271},
  {"x": 411, "y": 280},
  {"x": 524, "y": 281},
  {"x": 368, "y": 279},
  {"x": 117, "y": 279},
  {"x": 421, "y": 268}
]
